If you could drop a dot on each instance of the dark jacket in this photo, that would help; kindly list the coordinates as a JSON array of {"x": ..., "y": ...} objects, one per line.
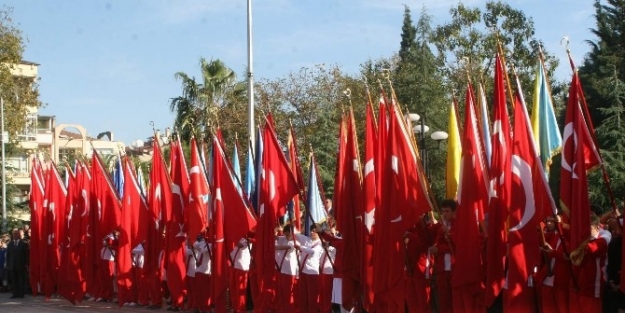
[{"x": 17, "y": 256}]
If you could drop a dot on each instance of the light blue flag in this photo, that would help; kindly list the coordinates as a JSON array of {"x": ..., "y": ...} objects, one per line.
[
  {"x": 250, "y": 174},
  {"x": 118, "y": 176},
  {"x": 544, "y": 124},
  {"x": 485, "y": 125},
  {"x": 236, "y": 167},
  {"x": 315, "y": 206}
]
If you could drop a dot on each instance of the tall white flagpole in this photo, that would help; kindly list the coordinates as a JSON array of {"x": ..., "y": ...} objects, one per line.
[{"x": 250, "y": 77}]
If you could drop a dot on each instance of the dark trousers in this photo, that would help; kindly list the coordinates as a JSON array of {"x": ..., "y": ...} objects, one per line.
[{"x": 18, "y": 282}]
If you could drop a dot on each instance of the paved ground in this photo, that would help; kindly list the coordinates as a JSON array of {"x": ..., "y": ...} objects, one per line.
[{"x": 32, "y": 304}]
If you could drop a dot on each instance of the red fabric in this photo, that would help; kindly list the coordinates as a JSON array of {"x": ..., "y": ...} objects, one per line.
[
  {"x": 589, "y": 273},
  {"x": 160, "y": 202},
  {"x": 77, "y": 272},
  {"x": 444, "y": 293},
  {"x": 309, "y": 292},
  {"x": 299, "y": 177},
  {"x": 500, "y": 200},
  {"x": 472, "y": 200},
  {"x": 192, "y": 291},
  {"x": 554, "y": 300},
  {"x": 277, "y": 188},
  {"x": 348, "y": 206},
  {"x": 444, "y": 245},
  {"x": 176, "y": 236},
  {"x": 468, "y": 298},
  {"x": 155, "y": 287},
  {"x": 54, "y": 210},
  {"x": 579, "y": 155},
  {"x": 105, "y": 276},
  {"x": 325, "y": 295},
  {"x": 142, "y": 286},
  {"x": 523, "y": 302},
  {"x": 417, "y": 294},
  {"x": 579, "y": 303},
  {"x": 108, "y": 204},
  {"x": 36, "y": 215},
  {"x": 238, "y": 290},
  {"x": 64, "y": 283},
  {"x": 393, "y": 300},
  {"x": 530, "y": 191},
  {"x": 369, "y": 211},
  {"x": 285, "y": 293},
  {"x": 196, "y": 218},
  {"x": 133, "y": 209}
]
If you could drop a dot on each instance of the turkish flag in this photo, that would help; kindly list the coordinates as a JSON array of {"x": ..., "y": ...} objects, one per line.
[
  {"x": 159, "y": 202},
  {"x": 196, "y": 215},
  {"x": 277, "y": 186},
  {"x": 36, "y": 212},
  {"x": 472, "y": 200},
  {"x": 54, "y": 208},
  {"x": 64, "y": 284},
  {"x": 131, "y": 232},
  {"x": 532, "y": 203},
  {"x": 579, "y": 155},
  {"x": 176, "y": 235},
  {"x": 407, "y": 200},
  {"x": 108, "y": 203},
  {"x": 76, "y": 249},
  {"x": 499, "y": 201},
  {"x": 369, "y": 209},
  {"x": 348, "y": 206}
]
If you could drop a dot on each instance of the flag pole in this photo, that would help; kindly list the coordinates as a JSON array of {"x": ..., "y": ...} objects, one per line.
[
  {"x": 591, "y": 128},
  {"x": 250, "y": 76}
]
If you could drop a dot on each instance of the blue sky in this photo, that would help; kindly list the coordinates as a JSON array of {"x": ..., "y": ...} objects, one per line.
[{"x": 109, "y": 65}]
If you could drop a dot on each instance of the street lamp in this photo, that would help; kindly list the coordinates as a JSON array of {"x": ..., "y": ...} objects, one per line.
[
  {"x": 5, "y": 138},
  {"x": 421, "y": 130}
]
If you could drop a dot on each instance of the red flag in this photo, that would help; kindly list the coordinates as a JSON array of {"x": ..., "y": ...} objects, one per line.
[
  {"x": 297, "y": 171},
  {"x": 36, "y": 210},
  {"x": 108, "y": 203},
  {"x": 176, "y": 236},
  {"x": 160, "y": 199},
  {"x": 472, "y": 200},
  {"x": 131, "y": 233},
  {"x": 369, "y": 209},
  {"x": 579, "y": 155},
  {"x": 76, "y": 252},
  {"x": 54, "y": 208},
  {"x": 197, "y": 218},
  {"x": 64, "y": 284},
  {"x": 91, "y": 245},
  {"x": 277, "y": 188},
  {"x": 533, "y": 202},
  {"x": 406, "y": 201},
  {"x": 348, "y": 208},
  {"x": 499, "y": 201}
]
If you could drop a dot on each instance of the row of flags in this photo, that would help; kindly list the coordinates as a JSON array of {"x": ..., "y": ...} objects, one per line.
[{"x": 496, "y": 170}]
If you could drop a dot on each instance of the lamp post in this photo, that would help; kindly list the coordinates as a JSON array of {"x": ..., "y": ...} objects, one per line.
[
  {"x": 5, "y": 138},
  {"x": 421, "y": 130}
]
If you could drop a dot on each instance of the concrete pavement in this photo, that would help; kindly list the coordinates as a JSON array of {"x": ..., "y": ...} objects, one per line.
[{"x": 38, "y": 304}]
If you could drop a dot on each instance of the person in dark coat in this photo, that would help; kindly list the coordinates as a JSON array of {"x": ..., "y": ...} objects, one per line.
[{"x": 16, "y": 263}]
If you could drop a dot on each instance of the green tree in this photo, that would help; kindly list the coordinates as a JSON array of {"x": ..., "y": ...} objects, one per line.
[
  {"x": 211, "y": 102},
  {"x": 603, "y": 77},
  {"x": 19, "y": 93}
]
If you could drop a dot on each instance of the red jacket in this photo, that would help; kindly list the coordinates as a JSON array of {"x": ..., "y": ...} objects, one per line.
[
  {"x": 589, "y": 273},
  {"x": 418, "y": 259},
  {"x": 445, "y": 246}
]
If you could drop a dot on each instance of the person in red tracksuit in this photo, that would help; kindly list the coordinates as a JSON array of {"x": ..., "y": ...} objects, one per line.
[
  {"x": 589, "y": 272},
  {"x": 417, "y": 266},
  {"x": 443, "y": 250},
  {"x": 203, "y": 256},
  {"x": 555, "y": 275},
  {"x": 286, "y": 259}
]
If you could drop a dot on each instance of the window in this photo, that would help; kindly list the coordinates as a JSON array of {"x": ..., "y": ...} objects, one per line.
[
  {"x": 30, "y": 129},
  {"x": 105, "y": 151},
  {"x": 18, "y": 164}
]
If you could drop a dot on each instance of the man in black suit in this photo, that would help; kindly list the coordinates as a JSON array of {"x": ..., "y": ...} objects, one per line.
[{"x": 17, "y": 263}]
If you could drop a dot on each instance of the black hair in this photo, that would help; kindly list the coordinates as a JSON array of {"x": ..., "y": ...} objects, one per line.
[
  {"x": 313, "y": 227},
  {"x": 449, "y": 203},
  {"x": 288, "y": 228}
]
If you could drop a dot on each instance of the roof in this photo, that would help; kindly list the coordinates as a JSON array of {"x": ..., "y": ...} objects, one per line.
[{"x": 29, "y": 63}]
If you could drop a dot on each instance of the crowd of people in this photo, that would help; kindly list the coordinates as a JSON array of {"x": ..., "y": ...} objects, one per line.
[{"x": 584, "y": 279}]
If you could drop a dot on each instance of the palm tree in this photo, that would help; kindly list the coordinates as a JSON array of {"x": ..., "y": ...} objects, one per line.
[{"x": 197, "y": 109}]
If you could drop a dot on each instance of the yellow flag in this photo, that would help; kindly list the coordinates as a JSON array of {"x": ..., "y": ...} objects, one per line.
[{"x": 454, "y": 153}]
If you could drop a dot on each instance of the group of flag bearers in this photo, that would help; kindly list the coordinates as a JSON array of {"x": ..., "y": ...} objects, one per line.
[{"x": 198, "y": 233}]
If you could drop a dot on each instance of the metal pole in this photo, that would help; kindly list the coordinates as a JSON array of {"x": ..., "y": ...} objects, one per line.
[
  {"x": 250, "y": 77},
  {"x": 4, "y": 180},
  {"x": 423, "y": 149}
]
